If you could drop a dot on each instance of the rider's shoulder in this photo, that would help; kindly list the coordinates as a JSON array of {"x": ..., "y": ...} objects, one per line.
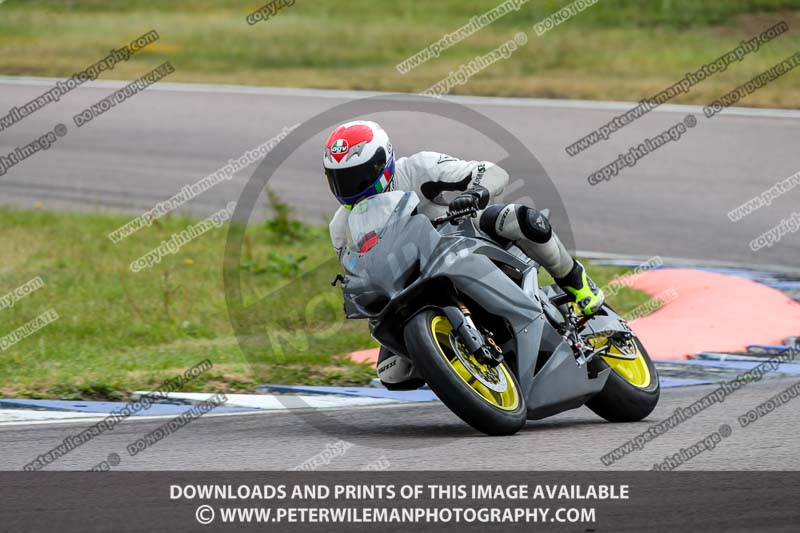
[
  {"x": 429, "y": 156},
  {"x": 426, "y": 159},
  {"x": 339, "y": 217}
]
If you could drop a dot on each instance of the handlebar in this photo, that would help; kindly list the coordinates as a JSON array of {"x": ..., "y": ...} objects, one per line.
[{"x": 454, "y": 217}]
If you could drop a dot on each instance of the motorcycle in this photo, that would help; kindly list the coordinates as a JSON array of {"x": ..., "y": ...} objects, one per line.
[{"x": 470, "y": 316}]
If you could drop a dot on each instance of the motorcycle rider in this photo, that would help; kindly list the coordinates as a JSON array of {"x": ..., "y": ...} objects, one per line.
[{"x": 359, "y": 162}]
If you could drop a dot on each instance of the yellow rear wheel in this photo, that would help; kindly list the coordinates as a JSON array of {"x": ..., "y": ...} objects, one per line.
[
  {"x": 632, "y": 389},
  {"x": 630, "y": 363}
]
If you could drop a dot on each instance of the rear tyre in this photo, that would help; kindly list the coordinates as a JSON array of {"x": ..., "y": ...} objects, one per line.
[
  {"x": 488, "y": 399},
  {"x": 632, "y": 390}
]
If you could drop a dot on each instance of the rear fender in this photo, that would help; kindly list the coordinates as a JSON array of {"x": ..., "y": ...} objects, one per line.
[{"x": 610, "y": 322}]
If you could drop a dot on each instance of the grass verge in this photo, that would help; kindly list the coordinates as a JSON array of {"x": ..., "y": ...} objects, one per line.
[
  {"x": 121, "y": 331},
  {"x": 614, "y": 50}
]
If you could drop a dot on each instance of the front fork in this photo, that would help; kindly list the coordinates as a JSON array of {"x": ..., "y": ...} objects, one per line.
[{"x": 483, "y": 347}]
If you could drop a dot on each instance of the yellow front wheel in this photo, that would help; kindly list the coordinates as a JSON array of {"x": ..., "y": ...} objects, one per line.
[
  {"x": 494, "y": 385},
  {"x": 487, "y": 398}
]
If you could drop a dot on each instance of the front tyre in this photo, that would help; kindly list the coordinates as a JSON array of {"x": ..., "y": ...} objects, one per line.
[
  {"x": 487, "y": 398},
  {"x": 632, "y": 389}
]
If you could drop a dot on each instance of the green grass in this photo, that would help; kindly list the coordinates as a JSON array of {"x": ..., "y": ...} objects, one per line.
[
  {"x": 616, "y": 49},
  {"x": 121, "y": 331}
]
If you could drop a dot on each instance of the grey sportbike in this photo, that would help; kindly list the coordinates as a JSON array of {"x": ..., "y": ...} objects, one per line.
[{"x": 470, "y": 316}]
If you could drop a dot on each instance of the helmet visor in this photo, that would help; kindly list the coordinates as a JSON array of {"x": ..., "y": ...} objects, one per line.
[{"x": 348, "y": 183}]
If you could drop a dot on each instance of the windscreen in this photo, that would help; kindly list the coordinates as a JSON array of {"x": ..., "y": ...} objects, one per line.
[{"x": 370, "y": 216}]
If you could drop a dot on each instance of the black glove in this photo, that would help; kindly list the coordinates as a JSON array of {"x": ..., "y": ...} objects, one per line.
[{"x": 471, "y": 200}]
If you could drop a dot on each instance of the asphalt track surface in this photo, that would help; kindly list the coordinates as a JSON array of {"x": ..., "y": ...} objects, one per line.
[
  {"x": 429, "y": 437},
  {"x": 672, "y": 203}
]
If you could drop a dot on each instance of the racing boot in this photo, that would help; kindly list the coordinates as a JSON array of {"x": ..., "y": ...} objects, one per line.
[{"x": 582, "y": 289}]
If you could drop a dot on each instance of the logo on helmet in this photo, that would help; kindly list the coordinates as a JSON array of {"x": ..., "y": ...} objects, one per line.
[
  {"x": 356, "y": 150},
  {"x": 339, "y": 147}
]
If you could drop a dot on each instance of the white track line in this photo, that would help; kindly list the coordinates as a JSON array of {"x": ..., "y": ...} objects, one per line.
[
  {"x": 350, "y": 95},
  {"x": 96, "y": 417},
  {"x": 281, "y": 402},
  {"x": 260, "y": 403},
  {"x": 8, "y": 416}
]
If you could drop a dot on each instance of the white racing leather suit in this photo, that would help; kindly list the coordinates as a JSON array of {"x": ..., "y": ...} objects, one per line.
[{"x": 430, "y": 175}]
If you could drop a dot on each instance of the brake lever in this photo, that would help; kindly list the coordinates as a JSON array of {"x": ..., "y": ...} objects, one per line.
[{"x": 453, "y": 217}]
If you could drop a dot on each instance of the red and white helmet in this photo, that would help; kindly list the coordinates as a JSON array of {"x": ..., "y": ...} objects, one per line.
[{"x": 358, "y": 161}]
